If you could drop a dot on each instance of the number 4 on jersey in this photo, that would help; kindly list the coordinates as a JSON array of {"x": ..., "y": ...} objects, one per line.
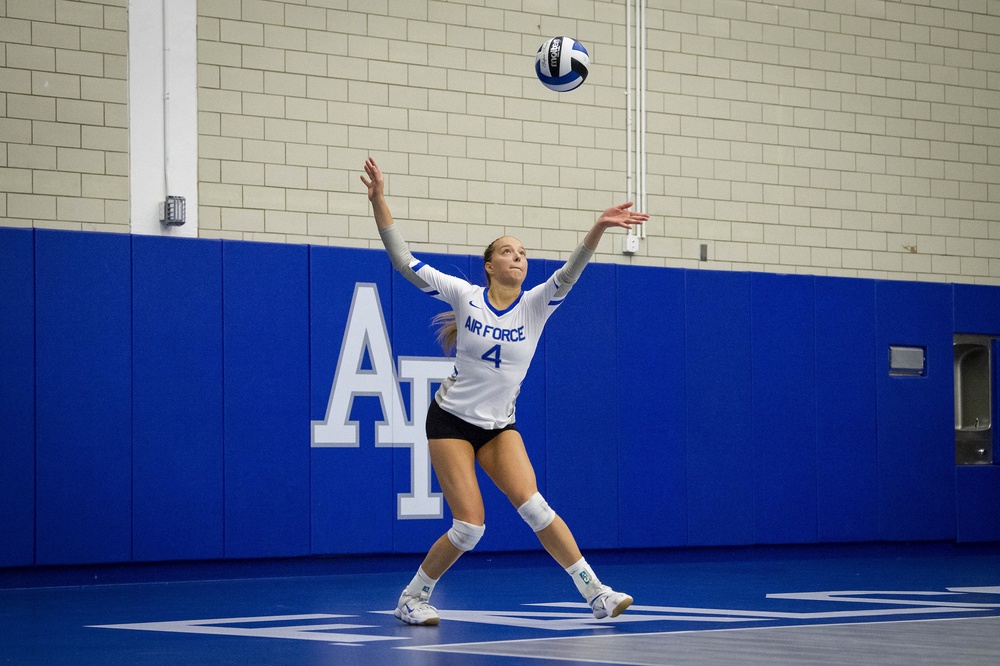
[{"x": 493, "y": 355}]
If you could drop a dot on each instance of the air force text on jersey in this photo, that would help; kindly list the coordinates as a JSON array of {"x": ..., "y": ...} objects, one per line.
[
  {"x": 366, "y": 333},
  {"x": 499, "y": 334}
]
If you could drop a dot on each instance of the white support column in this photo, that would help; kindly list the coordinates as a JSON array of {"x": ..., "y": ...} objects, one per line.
[{"x": 163, "y": 112}]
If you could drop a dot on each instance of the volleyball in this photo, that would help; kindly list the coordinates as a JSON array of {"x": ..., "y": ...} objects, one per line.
[{"x": 562, "y": 64}]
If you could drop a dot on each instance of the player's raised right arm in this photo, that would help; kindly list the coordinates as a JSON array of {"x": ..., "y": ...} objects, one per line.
[
  {"x": 395, "y": 246},
  {"x": 375, "y": 183}
]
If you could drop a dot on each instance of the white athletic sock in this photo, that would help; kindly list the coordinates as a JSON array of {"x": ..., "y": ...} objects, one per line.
[
  {"x": 585, "y": 578},
  {"x": 420, "y": 583}
]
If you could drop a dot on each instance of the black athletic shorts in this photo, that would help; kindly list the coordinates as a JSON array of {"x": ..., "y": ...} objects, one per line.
[{"x": 443, "y": 425}]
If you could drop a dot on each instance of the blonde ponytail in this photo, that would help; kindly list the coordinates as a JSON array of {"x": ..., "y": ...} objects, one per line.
[{"x": 447, "y": 331}]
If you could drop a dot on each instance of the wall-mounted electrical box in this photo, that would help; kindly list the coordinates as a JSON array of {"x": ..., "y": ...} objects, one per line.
[
  {"x": 630, "y": 244},
  {"x": 907, "y": 361},
  {"x": 173, "y": 212}
]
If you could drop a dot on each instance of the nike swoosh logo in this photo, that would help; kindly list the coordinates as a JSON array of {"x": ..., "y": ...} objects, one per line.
[{"x": 474, "y": 305}]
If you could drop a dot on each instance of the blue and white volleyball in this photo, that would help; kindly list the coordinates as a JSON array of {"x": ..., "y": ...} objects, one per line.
[{"x": 562, "y": 64}]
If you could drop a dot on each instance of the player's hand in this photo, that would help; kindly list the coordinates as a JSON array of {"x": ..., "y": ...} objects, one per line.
[
  {"x": 375, "y": 182},
  {"x": 621, "y": 216}
]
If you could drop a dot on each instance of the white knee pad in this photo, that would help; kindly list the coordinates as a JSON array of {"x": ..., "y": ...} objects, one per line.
[
  {"x": 537, "y": 512},
  {"x": 465, "y": 536}
]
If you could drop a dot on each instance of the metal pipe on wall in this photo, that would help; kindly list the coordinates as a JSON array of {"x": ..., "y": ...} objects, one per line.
[
  {"x": 642, "y": 113},
  {"x": 629, "y": 127},
  {"x": 166, "y": 101},
  {"x": 635, "y": 80}
]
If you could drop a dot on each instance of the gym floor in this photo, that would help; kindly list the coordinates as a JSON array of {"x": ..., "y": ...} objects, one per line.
[{"x": 874, "y": 604}]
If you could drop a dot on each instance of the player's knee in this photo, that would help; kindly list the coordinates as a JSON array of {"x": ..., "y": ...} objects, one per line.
[
  {"x": 465, "y": 536},
  {"x": 537, "y": 512}
]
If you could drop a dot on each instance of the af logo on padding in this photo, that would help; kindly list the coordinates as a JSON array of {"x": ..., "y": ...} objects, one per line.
[{"x": 366, "y": 333}]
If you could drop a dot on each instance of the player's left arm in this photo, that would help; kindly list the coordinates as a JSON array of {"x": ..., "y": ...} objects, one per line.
[{"x": 616, "y": 216}]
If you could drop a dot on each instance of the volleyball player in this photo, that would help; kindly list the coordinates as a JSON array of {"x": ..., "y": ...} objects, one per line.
[{"x": 494, "y": 332}]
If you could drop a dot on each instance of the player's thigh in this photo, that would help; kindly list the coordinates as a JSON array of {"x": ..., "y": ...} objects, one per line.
[
  {"x": 506, "y": 461},
  {"x": 455, "y": 467}
]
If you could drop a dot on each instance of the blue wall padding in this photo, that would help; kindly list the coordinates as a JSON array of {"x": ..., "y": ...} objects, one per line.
[
  {"x": 978, "y": 502},
  {"x": 158, "y": 398},
  {"x": 353, "y": 503},
  {"x": 17, "y": 397},
  {"x": 783, "y": 346},
  {"x": 581, "y": 432},
  {"x": 977, "y": 309},
  {"x": 652, "y": 477},
  {"x": 266, "y": 370},
  {"x": 84, "y": 397},
  {"x": 720, "y": 496},
  {"x": 916, "y": 445},
  {"x": 177, "y": 399},
  {"x": 846, "y": 452},
  {"x": 413, "y": 335}
]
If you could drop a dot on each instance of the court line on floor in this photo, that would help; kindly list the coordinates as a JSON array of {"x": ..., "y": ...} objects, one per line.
[{"x": 456, "y": 648}]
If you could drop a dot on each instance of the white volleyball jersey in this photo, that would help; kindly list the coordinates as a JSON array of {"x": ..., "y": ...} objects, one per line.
[{"x": 494, "y": 347}]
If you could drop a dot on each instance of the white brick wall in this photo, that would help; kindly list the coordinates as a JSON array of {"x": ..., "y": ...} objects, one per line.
[
  {"x": 836, "y": 138},
  {"x": 63, "y": 132},
  {"x": 832, "y": 137}
]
